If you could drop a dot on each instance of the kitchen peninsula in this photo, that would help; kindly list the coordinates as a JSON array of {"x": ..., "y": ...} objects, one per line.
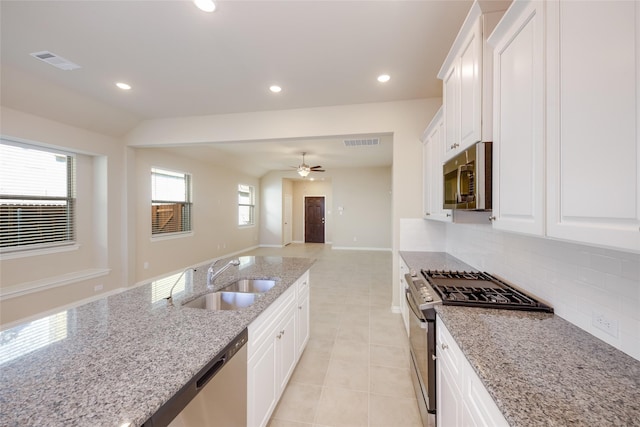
[{"x": 117, "y": 360}]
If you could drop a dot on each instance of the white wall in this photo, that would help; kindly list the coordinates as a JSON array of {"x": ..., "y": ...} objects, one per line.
[
  {"x": 36, "y": 283},
  {"x": 214, "y": 215},
  {"x": 365, "y": 196},
  {"x": 271, "y": 209},
  {"x": 576, "y": 280}
]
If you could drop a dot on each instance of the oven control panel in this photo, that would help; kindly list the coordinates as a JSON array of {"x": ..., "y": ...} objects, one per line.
[{"x": 423, "y": 295}]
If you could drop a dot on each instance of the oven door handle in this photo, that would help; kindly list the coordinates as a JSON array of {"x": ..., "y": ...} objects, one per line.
[{"x": 415, "y": 310}]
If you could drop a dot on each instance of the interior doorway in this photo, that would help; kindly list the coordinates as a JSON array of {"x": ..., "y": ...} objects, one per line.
[
  {"x": 314, "y": 219},
  {"x": 288, "y": 220}
]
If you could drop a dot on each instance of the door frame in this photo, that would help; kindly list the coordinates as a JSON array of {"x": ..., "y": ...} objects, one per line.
[
  {"x": 287, "y": 211},
  {"x": 304, "y": 215}
]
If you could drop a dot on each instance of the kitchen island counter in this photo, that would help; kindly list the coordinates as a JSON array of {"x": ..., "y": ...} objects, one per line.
[
  {"x": 116, "y": 361},
  {"x": 540, "y": 369}
]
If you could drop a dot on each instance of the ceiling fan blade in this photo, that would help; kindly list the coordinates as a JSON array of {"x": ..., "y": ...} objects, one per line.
[
  {"x": 318, "y": 170},
  {"x": 315, "y": 167}
]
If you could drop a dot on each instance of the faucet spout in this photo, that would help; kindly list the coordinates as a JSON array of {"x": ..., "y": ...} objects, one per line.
[
  {"x": 170, "y": 297},
  {"x": 212, "y": 275}
]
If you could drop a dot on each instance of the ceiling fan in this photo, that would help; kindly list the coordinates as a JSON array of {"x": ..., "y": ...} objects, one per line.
[{"x": 304, "y": 169}]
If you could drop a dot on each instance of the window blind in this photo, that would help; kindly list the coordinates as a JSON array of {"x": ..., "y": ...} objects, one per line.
[
  {"x": 37, "y": 197},
  {"x": 170, "y": 201}
]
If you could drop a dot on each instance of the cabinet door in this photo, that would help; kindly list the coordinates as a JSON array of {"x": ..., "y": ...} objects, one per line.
[
  {"x": 433, "y": 152},
  {"x": 426, "y": 179},
  {"x": 471, "y": 87},
  {"x": 449, "y": 398},
  {"x": 262, "y": 385},
  {"x": 593, "y": 109},
  {"x": 302, "y": 323},
  {"x": 448, "y": 380},
  {"x": 451, "y": 106},
  {"x": 518, "y": 146},
  {"x": 286, "y": 351}
]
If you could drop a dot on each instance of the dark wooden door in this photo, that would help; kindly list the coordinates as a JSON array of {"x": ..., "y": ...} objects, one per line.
[{"x": 314, "y": 219}]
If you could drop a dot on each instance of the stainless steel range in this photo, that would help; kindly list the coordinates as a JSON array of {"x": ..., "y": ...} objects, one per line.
[{"x": 471, "y": 289}]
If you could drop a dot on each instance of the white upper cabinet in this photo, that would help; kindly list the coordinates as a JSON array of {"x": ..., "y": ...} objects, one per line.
[
  {"x": 466, "y": 77},
  {"x": 518, "y": 111},
  {"x": 432, "y": 139},
  {"x": 593, "y": 102}
]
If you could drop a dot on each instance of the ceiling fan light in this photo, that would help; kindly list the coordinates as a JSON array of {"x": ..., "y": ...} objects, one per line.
[
  {"x": 205, "y": 5},
  {"x": 303, "y": 171}
]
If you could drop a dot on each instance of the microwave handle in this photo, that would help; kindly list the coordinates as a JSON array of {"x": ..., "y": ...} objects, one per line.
[
  {"x": 459, "y": 189},
  {"x": 461, "y": 168}
]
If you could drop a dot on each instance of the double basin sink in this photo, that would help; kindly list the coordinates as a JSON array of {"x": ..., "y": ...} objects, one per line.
[{"x": 238, "y": 295}]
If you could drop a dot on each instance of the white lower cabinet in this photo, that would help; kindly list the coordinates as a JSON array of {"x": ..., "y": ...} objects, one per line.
[
  {"x": 462, "y": 399},
  {"x": 302, "y": 313},
  {"x": 277, "y": 339}
]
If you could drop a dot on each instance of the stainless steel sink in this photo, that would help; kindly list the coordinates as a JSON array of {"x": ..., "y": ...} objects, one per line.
[
  {"x": 223, "y": 301},
  {"x": 251, "y": 285}
]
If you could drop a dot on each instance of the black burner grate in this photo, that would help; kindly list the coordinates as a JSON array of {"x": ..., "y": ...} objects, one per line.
[{"x": 478, "y": 289}]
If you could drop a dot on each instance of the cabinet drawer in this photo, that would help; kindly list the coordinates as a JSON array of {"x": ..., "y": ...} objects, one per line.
[{"x": 303, "y": 285}]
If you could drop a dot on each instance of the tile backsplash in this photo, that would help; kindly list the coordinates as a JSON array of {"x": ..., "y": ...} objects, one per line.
[{"x": 594, "y": 288}]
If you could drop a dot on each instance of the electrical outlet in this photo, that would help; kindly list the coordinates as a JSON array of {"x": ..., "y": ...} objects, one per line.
[
  {"x": 355, "y": 239},
  {"x": 145, "y": 265},
  {"x": 604, "y": 323},
  {"x": 97, "y": 288}
]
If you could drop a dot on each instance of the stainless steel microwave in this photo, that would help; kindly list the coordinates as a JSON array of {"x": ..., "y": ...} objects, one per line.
[{"x": 467, "y": 179}]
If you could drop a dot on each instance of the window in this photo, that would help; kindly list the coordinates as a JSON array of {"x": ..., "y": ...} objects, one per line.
[
  {"x": 37, "y": 197},
  {"x": 170, "y": 202},
  {"x": 246, "y": 205}
]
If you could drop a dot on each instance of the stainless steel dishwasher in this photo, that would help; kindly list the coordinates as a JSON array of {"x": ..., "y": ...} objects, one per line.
[{"x": 216, "y": 397}]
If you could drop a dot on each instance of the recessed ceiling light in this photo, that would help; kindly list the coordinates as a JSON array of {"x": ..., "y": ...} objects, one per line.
[
  {"x": 383, "y": 78},
  {"x": 275, "y": 89},
  {"x": 205, "y": 5},
  {"x": 123, "y": 86}
]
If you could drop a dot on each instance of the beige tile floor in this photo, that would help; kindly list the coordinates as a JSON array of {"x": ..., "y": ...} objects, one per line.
[{"x": 355, "y": 369}]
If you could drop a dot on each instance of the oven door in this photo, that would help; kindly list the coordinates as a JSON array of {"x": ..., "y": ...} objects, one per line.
[{"x": 422, "y": 345}]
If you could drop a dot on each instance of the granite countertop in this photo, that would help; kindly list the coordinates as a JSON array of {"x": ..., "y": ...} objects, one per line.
[
  {"x": 540, "y": 369},
  {"x": 116, "y": 361}
]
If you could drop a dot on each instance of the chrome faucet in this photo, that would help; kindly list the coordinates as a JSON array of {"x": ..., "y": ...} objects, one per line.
[
  {"x": 170, "y": 297},
  {"x": 212, "y": 274}
]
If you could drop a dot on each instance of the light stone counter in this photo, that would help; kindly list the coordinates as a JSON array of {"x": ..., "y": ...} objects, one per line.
[
  {"x": 540, "y": 369},
  {"x": 117, "y": 360}
]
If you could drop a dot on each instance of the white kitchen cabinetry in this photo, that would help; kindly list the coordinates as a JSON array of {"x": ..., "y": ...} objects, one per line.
[
  {"x": 462, "y": 399},
  {"x": 593, "y": 107},
  {"x": 404, "y": 308},
  {"x": 276, "y": 341},
  {"x": 302, "y": 313},
  {"x": 518, "y": 128},
  {"x": 467, "y": 80},
  {"x": 432, "y": 147}
]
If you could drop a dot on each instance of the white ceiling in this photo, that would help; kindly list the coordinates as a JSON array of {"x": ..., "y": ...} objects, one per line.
[{"x": 184, "y": 62}]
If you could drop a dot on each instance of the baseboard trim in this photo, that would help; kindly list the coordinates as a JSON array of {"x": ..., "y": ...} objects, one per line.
[{"x": 355, "y": 248}]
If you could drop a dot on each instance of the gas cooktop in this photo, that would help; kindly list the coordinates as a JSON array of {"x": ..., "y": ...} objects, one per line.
[{"x": 478, "y": 289}]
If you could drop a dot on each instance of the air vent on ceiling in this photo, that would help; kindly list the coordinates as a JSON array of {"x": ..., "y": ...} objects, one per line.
[
  {"x": 361, "y": 142},
  {"x": 55, "y": 60}
]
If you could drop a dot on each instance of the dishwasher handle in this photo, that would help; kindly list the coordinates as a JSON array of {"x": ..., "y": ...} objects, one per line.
[{"x": 204, "y": 379}]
